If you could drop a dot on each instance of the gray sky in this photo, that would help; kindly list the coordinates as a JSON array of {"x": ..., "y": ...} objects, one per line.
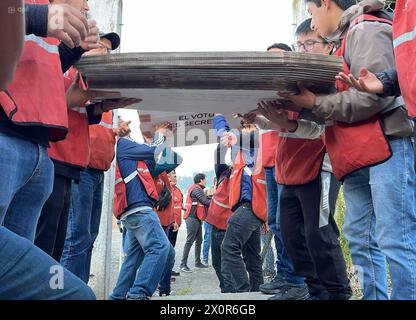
[{"x": 201, "y": 25}]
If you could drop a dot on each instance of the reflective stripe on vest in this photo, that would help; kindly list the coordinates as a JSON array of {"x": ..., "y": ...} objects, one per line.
[
  {"x": 119, "y": 180},
  {"x": 81, "y": 110},
  {"x": 261, "y": 181},
  {"x": 41, "y": 43},
  {"x": 106, "y": 125},
  {"x": 220, "y": 204},
  {"x": 131, "y": 176},
  {"x": 406, "y": 37}
]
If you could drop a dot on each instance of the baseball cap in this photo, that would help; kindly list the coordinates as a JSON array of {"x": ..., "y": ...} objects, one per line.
[{"x": 113, "y": 37}]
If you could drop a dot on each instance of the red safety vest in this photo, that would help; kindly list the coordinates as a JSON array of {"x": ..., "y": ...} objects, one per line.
[
  {"x": 220, "y": 210},
  {"x": 120, "y": 195},
  {"x": 268, "y": 145},
  {"x": 177, "y": 204},
  {"x": 298, "y": 161},
  {"x": 404, "y": 35},
  {"x": 36, "y": 95},
  {"x": 166, "y": 215},
  {"x": 102, "y": 143},
  {"x": 259, "y": 192},
  {"x": 120, "y": 198},
  {"x": 200, "y": 208},
  {"x": 75, "y": 149},
  {"x": 357, "y": 145}
]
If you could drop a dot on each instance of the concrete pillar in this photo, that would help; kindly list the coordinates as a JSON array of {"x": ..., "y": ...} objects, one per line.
[{"x": 107, "y": 13}]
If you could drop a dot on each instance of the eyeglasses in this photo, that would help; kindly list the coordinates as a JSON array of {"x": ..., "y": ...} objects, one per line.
[{"x": 307, "y": 45}]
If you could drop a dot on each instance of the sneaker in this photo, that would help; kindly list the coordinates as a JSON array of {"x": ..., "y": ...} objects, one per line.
[
  {"x": 164, "y": 294},
  {"x": 205, "y": 262},
  {"x": 273, "y": 287},
  {"x": 292, "y": 293},
  {"x": 201, "y": 266},
  {"x": 175, "y": 273},
  {"x": 186, "y": 269}
]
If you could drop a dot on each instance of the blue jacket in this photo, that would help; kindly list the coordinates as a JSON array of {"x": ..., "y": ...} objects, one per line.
[
  {"x": 129, "y": 152},
  {"x": 249, "y": 153}
]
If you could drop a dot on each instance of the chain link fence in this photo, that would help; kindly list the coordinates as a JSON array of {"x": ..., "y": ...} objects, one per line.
[{"x": 391, "y": 5}]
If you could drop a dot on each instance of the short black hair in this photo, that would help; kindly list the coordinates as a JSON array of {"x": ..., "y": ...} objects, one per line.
[
  {"x": 304, "y": 27},
  {"x": 199, "y": 177},
  {"x": 281, "y": 46},
  {"x": 343, "y": 4}
]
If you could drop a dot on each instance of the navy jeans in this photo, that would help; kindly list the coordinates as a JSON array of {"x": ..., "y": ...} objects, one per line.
[
  {"x": 28, "y": 273},
  {"x": 149, "y": 261},
  {"x": 25, "y": 185},
  {"x": 285, "y": 268},
  {"x": 83, "y": 223}
]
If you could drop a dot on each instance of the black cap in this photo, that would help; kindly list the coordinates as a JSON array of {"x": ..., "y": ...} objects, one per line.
[{"x": 113, "y": 37}]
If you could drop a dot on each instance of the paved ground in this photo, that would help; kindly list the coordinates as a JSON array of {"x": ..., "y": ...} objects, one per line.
[{"x": 201, "y": 284}]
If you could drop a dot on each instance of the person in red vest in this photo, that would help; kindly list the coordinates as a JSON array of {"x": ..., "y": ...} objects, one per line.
[
  {"x": 196, "y": 205},
  {"x": 28, "y": 122},
  {"x": 69, "y": 156},
  {"x": 248, "y": 201},
  {"x": 369, "y": 143},
  {"x": 219, "y": 212},
  {"x": 178, "y": 207},
  {"x": 285, "y": 271},
  {"x": 150, "y": 256},
  {"x": 309, "y": 231},
  {"x": 395, "y": 81},
  {"x": 18, "y": 255},
  {"x": 87, "y": 190}
]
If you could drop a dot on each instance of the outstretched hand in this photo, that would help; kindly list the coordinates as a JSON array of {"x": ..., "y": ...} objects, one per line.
[{"x": 367, "y": 82}]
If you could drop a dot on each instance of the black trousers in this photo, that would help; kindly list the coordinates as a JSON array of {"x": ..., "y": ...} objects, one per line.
[
  {"x": 53, "y": 221},
  {"x": 311, "y": 237},
  {"x": 172, "y": 236},
  {"x": 226, "y": 280},
  {"x": 194, "y": 234},
  {"x": 241, "y": 248}
]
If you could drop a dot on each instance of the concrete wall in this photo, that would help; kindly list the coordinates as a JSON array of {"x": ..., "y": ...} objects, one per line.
[{"x": 107, "y": 13}]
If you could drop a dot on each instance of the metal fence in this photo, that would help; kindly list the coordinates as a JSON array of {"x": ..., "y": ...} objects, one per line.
[{"x": 390, "y": 5}]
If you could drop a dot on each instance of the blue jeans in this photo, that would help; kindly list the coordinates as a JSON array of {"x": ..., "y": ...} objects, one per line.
[
  {"x": 380, "y": 224},
  {"x": 149, "y": 259},
  {"x": 25, "y": 185},
  {"x": 27, "y": 273},
  {"x": 285, "y": 269},
  {"x": 83, "y": 223},
  {"x": 207, "y": 241}
]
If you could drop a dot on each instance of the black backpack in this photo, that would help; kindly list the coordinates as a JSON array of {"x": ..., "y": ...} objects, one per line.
[{"x": 165, "y": 197}]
